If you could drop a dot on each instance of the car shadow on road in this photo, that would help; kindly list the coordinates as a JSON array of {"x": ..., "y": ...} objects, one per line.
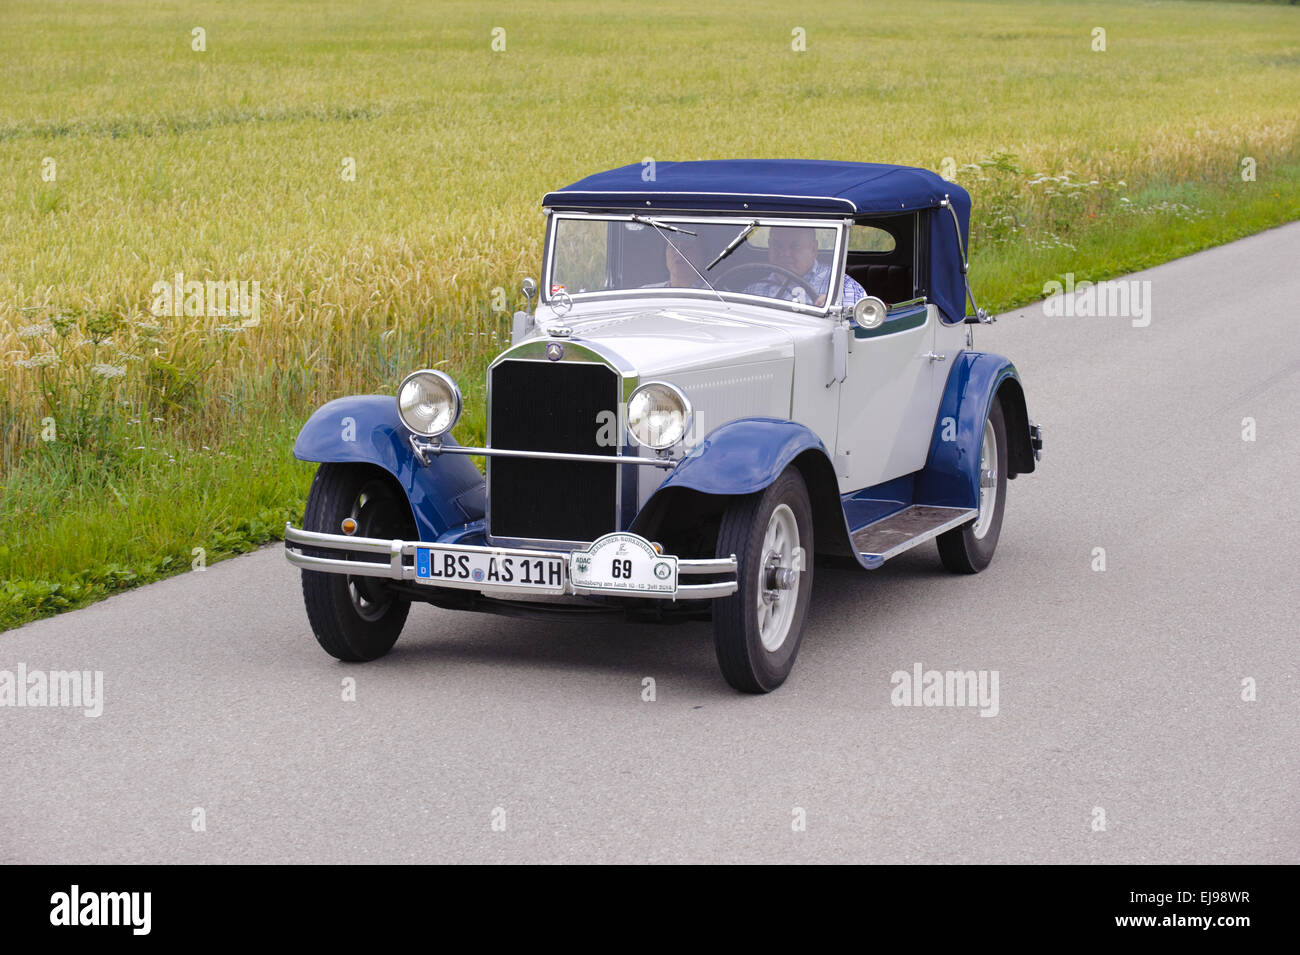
[{"x": 849, "y": 606}]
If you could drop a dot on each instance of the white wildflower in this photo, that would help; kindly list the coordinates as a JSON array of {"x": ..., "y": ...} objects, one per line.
[{"x": 108, "y": 371}]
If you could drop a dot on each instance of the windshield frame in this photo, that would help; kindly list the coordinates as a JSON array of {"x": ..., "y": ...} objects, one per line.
[{"x": 683, "y": 220}]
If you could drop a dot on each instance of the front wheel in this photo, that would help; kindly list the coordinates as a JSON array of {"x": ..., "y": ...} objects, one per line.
[
  {"x": 757, "y": 630},
  {"x": 969, "y": 549},
  {"x": 355, "y": 618}
]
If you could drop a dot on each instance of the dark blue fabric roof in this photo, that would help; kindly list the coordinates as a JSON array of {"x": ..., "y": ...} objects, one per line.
[
  {"x": 802, "y": 186},
  {"x": 763, "y": 185}
]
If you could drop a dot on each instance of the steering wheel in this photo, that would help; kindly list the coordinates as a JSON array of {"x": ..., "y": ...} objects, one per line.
[{"x": 767, "y": 269}]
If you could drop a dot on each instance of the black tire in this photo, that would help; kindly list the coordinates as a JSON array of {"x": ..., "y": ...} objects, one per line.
[
  {"x": 355, "y": 618},
  {"x": 746, "y": 663},
  {"x": 959, "y": 549}
]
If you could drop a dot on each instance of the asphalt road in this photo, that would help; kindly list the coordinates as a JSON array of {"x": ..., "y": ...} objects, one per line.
[{"x": 1119, "y": 690}]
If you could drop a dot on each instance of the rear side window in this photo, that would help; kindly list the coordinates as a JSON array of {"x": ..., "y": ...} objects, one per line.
[
  {"x": 867, "y": 238},
  {"x": 761, "y": 238}
]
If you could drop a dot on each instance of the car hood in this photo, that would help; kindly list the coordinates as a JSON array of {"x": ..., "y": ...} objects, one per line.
[{"x": 668, "y": 339}]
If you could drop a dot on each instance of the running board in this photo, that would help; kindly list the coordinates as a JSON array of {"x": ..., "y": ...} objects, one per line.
[{"x": 890, "y": 536}]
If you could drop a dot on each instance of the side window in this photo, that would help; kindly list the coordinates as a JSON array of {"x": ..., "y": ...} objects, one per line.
[
  {"x": 882, "y": 256},
  {"x": 867, "y": 238}
]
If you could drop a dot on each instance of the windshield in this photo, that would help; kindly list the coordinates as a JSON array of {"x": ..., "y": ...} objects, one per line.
[{"x": 780, "y": 260}]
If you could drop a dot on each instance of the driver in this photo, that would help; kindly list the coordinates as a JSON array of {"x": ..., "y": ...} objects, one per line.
[{"x": 795, "y": 249}]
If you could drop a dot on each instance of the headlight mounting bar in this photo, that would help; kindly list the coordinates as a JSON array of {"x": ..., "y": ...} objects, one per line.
[{"x": 425, "y": 450}]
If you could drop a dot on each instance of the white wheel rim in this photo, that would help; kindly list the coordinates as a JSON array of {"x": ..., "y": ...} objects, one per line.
[
  {"x": 988, "y": 482},
  {"x": 778, "y": 578}
]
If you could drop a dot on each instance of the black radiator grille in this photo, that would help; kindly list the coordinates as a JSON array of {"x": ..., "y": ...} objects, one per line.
[{"x": 551, "y": 406}]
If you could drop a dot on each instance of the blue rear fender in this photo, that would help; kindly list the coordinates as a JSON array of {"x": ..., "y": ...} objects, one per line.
[
  {"x": 744, "y": 457},
  {"x": 365, "y": 429},
  {"x": 951, "y": 474}
]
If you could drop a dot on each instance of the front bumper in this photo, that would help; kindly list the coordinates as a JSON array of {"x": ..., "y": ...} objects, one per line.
[
  {"x": 1036, "y": 441},
  {"x": 403, "y": 560}
]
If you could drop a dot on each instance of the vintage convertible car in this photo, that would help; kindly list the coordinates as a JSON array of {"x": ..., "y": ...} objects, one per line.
[{"x": 733, "y": 367}]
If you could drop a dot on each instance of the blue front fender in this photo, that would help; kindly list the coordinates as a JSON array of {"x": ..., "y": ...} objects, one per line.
[
  {"x": 743, "y": 456},
  {"x": 951, "y": 476},
  {"x": 446, "y": 493}
]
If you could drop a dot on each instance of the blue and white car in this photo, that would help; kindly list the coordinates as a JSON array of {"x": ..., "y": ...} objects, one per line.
[{"x": 732, "y": 368}]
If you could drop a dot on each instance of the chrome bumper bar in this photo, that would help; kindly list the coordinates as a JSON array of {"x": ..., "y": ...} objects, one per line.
[{"x": 394, "y": 566}]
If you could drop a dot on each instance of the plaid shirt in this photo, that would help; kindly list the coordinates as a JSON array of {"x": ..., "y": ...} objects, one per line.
[{"x": 819, "y": 277}]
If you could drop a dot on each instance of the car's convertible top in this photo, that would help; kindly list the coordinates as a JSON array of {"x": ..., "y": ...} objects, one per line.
[{"x": 793, "y": 186}]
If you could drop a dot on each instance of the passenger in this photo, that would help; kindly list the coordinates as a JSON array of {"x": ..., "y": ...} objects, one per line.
[{"x": 680, "y": 273}]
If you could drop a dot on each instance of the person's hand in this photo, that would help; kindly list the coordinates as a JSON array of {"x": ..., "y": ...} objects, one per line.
[{"x": 821, "y": 300}]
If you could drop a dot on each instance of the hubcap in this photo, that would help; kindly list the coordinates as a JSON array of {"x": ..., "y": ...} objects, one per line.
[
  {"x": 988, "y": 482},
  {"x": 374, "y": 513},
  {"x": 778, "y": 578}
]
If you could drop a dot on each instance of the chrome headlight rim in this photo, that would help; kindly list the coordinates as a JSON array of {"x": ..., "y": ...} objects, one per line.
[
  {"x": 687, "y": 412},
  {"x": 453, "y": 391},
  {"x": 870, "y": 312}
]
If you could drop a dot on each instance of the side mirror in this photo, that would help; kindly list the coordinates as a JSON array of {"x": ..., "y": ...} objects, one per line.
[
  {"x": 529, "y": 288},
  {"x": 869, "y": 312}
]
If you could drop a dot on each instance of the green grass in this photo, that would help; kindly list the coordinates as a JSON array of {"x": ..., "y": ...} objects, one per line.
[
  {"x": 165, "y": 510},
  {"x": 225, "y": 164}
]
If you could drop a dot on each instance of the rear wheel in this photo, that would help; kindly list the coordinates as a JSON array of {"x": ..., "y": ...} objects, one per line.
[
  {"x": 355, "y": 618},
  {"x": 757, "y": 630},
  {"x": 969, "y": 549}
]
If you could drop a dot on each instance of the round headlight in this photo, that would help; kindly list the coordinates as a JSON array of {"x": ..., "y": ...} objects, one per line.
[
  {"x": 428, "y": 402},
  {"x": 870, "y": 312},
  {"x": 658, "y": 415}
]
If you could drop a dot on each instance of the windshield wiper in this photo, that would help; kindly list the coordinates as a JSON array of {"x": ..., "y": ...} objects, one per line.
[
  {"x": 733, "y": 245},
  {"x": 660, "y": 229},
  {"x": 660, "y": 225}
]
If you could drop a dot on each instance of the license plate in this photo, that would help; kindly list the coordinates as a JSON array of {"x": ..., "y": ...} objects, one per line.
[
  {"x": 623, "y": 563},
  {"x": 452, "y": 568}
]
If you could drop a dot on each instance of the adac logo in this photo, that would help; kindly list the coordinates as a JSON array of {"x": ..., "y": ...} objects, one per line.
[
  {"x": 554, "y": 351},
  {"x": 583, "y": 563}
]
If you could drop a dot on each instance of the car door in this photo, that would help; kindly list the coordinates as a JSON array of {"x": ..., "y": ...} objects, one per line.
[{"x": 887, "y": 398}]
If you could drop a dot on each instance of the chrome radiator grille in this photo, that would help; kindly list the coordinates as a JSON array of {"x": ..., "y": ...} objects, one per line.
[{"x": 551, "y": 406}]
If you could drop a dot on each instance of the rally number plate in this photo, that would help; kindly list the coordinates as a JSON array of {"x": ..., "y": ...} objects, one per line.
[{"x": 623, "y": 563}]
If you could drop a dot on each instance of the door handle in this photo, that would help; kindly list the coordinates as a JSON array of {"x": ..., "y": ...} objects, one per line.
[{"x": 935, "y": 356}]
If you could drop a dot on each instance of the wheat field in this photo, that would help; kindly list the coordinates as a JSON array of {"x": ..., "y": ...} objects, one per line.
[{"x": 377, "y": 169}]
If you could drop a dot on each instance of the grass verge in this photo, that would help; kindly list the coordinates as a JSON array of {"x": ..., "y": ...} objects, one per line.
[{"x": 378, "y": 174}]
